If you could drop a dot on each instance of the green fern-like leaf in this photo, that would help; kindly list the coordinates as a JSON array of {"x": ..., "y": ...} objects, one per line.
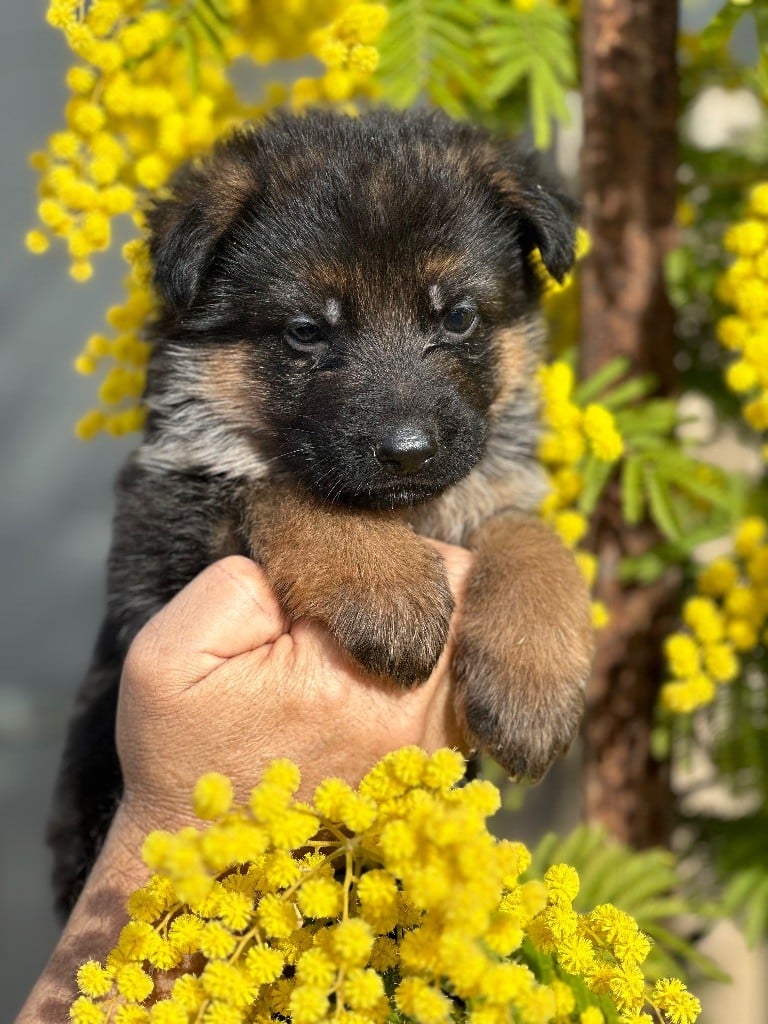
[
  {"x": 596, "y": 473},
  {"x": 739, "y": 848},
  {"x": 427, "y": 50},
  {"x": 474, "y": 57},
  {"x": 534, "y": 48},
  {"x": 661, "y": 506},
  {"x": 596, "y": 384},
  {"x": 718, "y": 32}
]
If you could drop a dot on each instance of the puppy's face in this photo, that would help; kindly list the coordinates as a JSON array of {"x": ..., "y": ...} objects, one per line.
[{"x": 354, "y": 296}]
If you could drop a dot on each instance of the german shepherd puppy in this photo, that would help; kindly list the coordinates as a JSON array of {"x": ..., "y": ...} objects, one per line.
[{"x": 343, "y": 365}]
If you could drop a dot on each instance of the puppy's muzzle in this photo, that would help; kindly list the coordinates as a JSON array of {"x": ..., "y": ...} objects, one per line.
[{"x": 406, "y": 449}]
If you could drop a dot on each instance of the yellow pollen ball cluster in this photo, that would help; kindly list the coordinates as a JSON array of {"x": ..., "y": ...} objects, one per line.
[
  {"x": 289, "y": 912},
  {"x": 346, "y": 48},
  {"x": 571, "y": 434},
  {"x": 744, "y": 288},
  {"x": 725, "y": 620},
  {"x": 149, "y": 92}
]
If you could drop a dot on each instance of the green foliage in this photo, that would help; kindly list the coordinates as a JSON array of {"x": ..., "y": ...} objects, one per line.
[
  {"x": 717, "y": 35},
  {"x": 739, "y": 849},
  {"x": 477, "y": 58},
  {"x": 689, "y": 501},
  {"x": 760, "y": 14},
  {"x": 738, "y": 736},
  {"x": 660, "y": 479},
  {"x": 645, "y": 884},
  {"x": 426, "y": 51},
  {"x": 534, "y": 47},
  {"x": 734, "y": 736},
  {"x": 210, "y": 25}
]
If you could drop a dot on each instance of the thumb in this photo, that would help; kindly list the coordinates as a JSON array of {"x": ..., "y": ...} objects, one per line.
[{"x": 226, "y": 611}]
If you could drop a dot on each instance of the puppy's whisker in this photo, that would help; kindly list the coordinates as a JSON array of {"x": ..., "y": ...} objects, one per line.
[
  {"x": 281, "y": 455},
  {"x": 324, "y": 476}
]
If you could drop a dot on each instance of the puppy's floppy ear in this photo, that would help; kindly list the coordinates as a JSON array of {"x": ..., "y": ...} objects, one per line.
[
  {"x": 205, "y": 198},
  {"x": 546, "y": 216},
  {"x": 549, "y": 223}
]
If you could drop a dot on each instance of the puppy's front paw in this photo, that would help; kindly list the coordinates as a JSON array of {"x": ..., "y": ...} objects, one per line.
[
  {"x": 524, "y": 646},
  {"x": 396, "y": 628},
  {"x": 383, "y": 594},
  {"x": 522, "y": 708}
]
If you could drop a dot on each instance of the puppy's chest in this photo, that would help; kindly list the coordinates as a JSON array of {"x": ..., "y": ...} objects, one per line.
[{"x": 460, "y": 511}]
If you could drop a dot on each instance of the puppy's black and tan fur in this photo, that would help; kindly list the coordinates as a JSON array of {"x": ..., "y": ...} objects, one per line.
[{"x": 343, "y": 365}]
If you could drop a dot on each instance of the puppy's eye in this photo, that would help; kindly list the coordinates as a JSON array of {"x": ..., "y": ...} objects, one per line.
[
  {"x": 460, "y": 320},
  {"x": 303, "y": 335}
]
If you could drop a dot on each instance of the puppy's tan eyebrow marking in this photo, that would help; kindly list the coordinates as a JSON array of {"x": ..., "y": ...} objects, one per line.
[
  {"x": 436, "y": 299},
  {"x": 332, "y": 311}
]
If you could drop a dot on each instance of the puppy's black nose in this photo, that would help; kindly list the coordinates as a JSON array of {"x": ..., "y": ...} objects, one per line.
[{"x": 406, "y": 449}]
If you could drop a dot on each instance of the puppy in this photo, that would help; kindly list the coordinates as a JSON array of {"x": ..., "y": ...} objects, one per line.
[{"x": 343, "y": 365}]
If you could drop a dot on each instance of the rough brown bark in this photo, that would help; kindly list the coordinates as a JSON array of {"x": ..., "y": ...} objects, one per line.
[{"x": 628, "y": 169}]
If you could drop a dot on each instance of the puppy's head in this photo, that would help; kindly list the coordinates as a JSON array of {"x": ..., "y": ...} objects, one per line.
[{"x": 353, "y": 297}]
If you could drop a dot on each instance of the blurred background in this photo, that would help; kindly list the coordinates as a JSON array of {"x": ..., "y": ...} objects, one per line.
[{"x": 55, "y": 524}]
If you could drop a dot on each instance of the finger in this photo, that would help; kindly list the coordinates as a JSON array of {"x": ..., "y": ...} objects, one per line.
[{"x": 226, "y": 611}]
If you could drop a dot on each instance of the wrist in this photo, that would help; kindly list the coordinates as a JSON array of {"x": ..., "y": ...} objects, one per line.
[
  {"x": 136, "y": 817},
  {"x": 94, "y": 925}
]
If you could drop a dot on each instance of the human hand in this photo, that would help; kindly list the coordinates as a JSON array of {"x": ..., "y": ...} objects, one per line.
[{"x": 219, "y": 681}]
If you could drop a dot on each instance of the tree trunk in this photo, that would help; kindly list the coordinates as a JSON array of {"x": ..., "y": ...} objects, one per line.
[{"x": 629, "y": 160}]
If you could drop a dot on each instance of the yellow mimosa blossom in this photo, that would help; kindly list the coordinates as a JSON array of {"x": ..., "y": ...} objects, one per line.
[
  {"x": 717, "y": 578},
  {"x": 744, "y": 287},
  {"x": 721, "y": 662},
  {"x": 726, "y": 619},
  {"x": 600, "y": 615},
  {"x": 212, "y": 796},
  {"x": 600, "y": 429},
  {"x": 571, "y": 526},
  {"x": 308, "y": 1004},
  {"x": 320, "y": 897},
  {"x": 749, "y": 534},
  {"x": 592, "y": 1015},
  {"x": 570, "y": 434},
  {"x": 683, "y": 654},
  {"x": 675, "y": 1002},
  {"x": 94, "y": 980},
  {"x": 741, "y": 376},
  {"x": 424, "y": 867},
  {"x": 704, "y": 618},
  {"x": 84, "y": 1011},
  {"x": 133, "y": 982},
  {"x": 150, "y": 90}
]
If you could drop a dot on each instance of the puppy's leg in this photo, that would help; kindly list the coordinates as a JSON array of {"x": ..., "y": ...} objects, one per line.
[
  {"x": 524, "y": 645},
  {"x": 378, "y": 587}
]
